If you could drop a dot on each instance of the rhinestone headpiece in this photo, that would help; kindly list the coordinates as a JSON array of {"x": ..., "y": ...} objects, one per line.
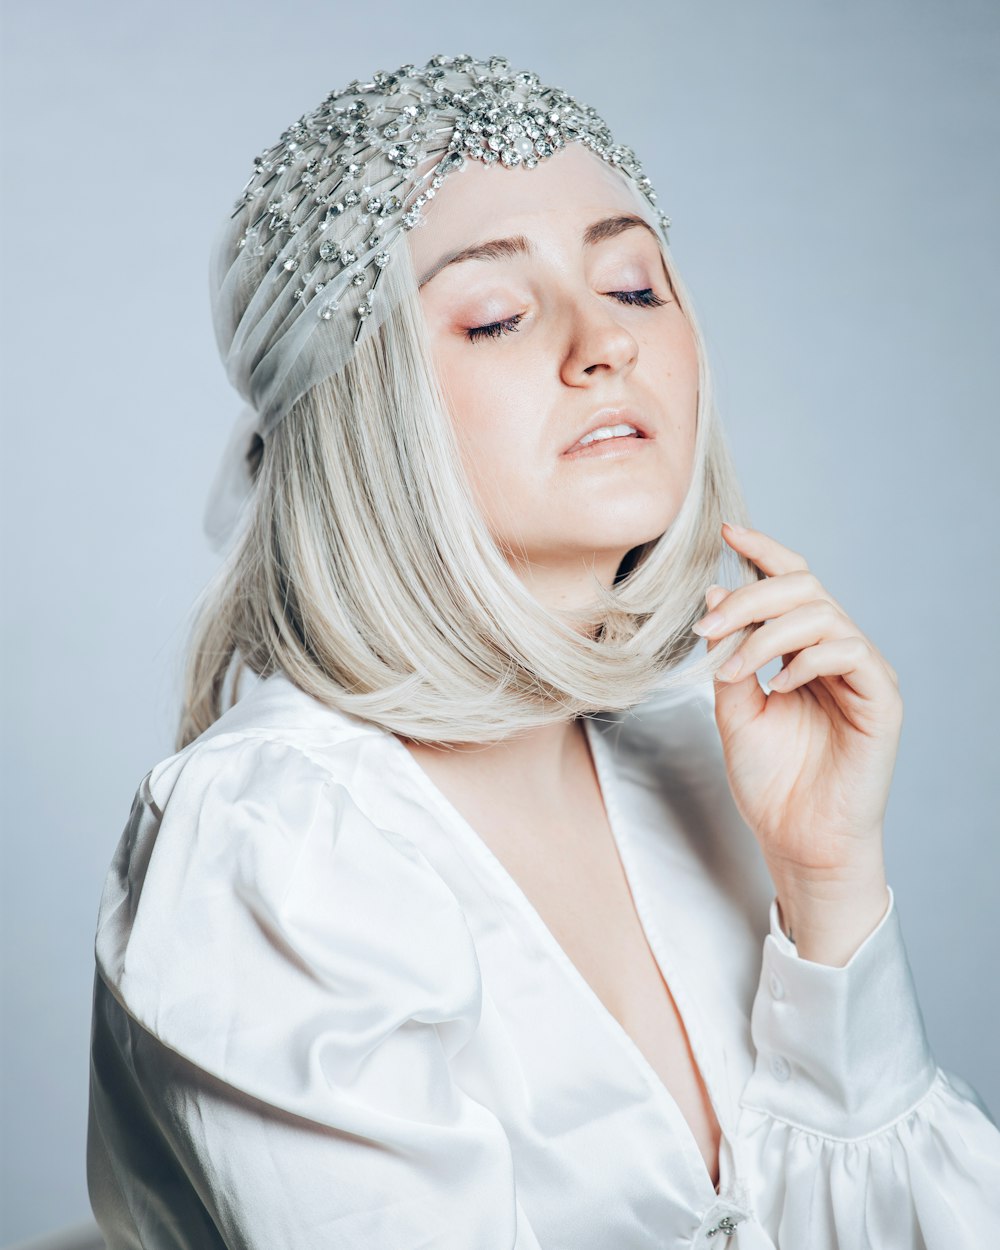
[
  {"x": 305, "y": 260},
  {"x": 325, "y": 206}
]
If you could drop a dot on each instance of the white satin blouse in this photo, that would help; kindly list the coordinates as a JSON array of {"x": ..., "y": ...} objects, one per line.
[{"x": 326, "y": 1018}]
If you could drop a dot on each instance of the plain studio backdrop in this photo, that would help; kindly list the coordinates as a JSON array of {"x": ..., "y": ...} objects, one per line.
[{"x": 830, "y": 170}]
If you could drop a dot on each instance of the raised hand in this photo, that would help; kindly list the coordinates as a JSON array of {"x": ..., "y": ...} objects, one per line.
[{"x": 809, "y": 765}]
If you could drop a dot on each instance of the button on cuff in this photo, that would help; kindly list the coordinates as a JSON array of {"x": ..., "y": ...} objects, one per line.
[
  {"x": 840, "y": 1050},
  {"x": 780, "y": 1068}
]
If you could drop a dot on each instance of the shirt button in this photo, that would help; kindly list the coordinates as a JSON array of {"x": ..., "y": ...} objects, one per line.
[
  {"x": 777, "y": 989},
  {"x": 780, "y": 1068}
]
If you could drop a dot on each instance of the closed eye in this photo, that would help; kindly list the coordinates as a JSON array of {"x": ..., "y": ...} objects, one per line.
[
  {"x": 646, "y": 298},
  {"x": 494, "y": 329}
]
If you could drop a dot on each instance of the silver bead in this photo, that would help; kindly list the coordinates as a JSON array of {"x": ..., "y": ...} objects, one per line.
[{"x": 350, "y": 162}]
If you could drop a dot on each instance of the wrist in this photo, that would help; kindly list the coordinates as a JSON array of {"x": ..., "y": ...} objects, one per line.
[{"x": 828, "y": 920}]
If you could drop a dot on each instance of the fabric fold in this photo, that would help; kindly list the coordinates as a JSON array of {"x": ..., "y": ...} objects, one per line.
[
  {"x": 277, "y": 999},
  {"x": 840, "y": 1050},
  {"x": 931, "y": 1178},
  {"x": 326, "y": 1015}
]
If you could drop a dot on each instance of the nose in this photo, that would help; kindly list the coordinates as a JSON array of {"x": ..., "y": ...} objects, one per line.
[{"x": 598, "y": 342}]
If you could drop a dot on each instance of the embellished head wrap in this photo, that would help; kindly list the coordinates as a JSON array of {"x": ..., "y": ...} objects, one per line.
[{"x": 307, "y": 262}]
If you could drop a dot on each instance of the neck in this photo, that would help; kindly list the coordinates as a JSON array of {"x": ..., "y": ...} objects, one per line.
[
  {"x": 535, "y": 772},
  {"x": 568, "y": 584}
]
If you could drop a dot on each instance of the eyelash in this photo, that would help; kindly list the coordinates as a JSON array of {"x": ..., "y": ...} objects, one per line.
[{"x": 645, "y": 298}]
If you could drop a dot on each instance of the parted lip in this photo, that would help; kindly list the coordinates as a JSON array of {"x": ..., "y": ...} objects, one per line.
[{"x": 611, "y": 416}]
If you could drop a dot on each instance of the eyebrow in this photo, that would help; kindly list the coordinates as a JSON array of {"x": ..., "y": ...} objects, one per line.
[{"x": 518, "y": 245}]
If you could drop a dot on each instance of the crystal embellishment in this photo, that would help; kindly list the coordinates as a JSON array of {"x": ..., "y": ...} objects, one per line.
[
  {"x": 726, "y": 1226},
  {"x": 352, "y": 162}
]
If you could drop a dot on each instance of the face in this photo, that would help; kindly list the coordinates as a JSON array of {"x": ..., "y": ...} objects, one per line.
[{"x": 566, "y": 322}]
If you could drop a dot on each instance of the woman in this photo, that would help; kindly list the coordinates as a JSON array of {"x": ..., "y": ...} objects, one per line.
[{"x": 490, "y": 916}]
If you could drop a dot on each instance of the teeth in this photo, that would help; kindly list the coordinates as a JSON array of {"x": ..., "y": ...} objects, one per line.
[{"x": 607, "y": 431}]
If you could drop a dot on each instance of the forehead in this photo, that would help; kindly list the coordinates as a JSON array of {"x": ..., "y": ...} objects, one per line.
[{"x": 571, "y": 187}]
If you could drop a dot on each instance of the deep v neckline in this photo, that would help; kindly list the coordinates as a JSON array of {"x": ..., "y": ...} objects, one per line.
[{"x": 701, "y": 1179}]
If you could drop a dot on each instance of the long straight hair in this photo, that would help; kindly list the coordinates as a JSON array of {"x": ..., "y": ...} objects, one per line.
[{"x": 367, "y": 575}]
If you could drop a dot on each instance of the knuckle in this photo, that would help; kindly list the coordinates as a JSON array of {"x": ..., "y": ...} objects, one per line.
[{"x": 823, "y": 608}]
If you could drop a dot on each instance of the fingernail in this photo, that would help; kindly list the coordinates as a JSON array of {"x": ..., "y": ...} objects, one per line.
[
  {"x": 714, "y": 596},
  {"x": 708, "y": 624},
  {"x": 735, "y": 529},
  {"x": 731, "y": 667}
]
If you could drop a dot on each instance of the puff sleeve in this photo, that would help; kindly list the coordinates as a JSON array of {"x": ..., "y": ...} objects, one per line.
[
  {"x": 280, "y": 987},
  {"x": 854, "y": 1136}
]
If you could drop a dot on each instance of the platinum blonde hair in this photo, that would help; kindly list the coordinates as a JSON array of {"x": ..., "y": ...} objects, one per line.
[{"x": 366, "y": 573}]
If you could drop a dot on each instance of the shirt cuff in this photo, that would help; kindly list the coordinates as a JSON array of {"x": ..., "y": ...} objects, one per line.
[{"x": 839, "y": 1050}]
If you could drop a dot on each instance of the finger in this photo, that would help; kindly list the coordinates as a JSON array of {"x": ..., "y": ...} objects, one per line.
[
  {"x": 735, "y": 702},
  {"x": 804, "y": 626},
  {"x": 766, "y": 552},
  {"x": 754, "y": 602},
  {"x": 850, "y": 658},
  {"x": 762, "y": 601},
  {"x": 714, "y": 596},
  {"x": 775, "y": 560}
]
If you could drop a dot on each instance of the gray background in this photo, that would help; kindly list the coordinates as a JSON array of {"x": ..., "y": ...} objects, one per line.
[{"x": 830, "y": 171}]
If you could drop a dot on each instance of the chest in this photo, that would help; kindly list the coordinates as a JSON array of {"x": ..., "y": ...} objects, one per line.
[
  {"x": 569, "y": 869},
  {"x": 578, "y": 886}
]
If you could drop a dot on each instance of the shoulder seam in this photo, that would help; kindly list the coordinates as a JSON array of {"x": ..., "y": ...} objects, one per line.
[{"x": 267, "y": 735}]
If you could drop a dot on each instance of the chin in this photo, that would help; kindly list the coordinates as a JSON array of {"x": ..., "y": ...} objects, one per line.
[
  {"x": 592, "y": 535},
  {"x": 609, "y": 540}
]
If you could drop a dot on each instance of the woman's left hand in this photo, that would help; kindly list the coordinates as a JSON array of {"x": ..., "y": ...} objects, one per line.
[{"x": 809, "y": 766}]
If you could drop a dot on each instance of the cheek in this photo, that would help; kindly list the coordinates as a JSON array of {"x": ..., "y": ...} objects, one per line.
[
  {"x": 681, "y": 345},
  {"x": 470, "y": 402},
  {"x": 476, "y": 408},
  {"x": 679, "y": 371},
  {"x": 496, "y": 429},
  {"x": 688, "y": 387},
  {"x": 674, "y": 382},
  {"x": 488, "y": 402}
]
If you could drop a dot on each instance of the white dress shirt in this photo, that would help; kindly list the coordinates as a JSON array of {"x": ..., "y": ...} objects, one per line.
[{"x": 326, "y": 1018}]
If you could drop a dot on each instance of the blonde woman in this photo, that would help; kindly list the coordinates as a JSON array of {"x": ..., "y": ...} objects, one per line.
[{"x": 481, "y": 910}]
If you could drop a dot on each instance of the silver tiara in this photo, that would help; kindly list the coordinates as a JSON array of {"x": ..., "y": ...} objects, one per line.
[{"x": 320, "y": 172}]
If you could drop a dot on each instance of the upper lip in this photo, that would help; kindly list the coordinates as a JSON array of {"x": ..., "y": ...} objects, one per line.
[{"x": 611, "y": 416}]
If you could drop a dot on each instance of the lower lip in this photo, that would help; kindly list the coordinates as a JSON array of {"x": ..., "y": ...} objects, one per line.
[{"x": 608, "y": 448}]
